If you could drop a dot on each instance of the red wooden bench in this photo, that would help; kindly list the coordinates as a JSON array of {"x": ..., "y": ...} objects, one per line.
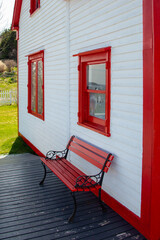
[{"x": 70, "y": 175}]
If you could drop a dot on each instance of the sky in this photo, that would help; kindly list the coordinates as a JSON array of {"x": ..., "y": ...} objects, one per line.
[{"x": 6, "y": 13}]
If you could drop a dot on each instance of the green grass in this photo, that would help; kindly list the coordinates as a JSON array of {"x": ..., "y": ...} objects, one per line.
[
  {"x": 4, "y": 86},
  {"x": 10, "y": 143}
]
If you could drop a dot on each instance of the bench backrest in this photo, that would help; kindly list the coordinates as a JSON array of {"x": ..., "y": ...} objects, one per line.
[{"x": 90, "y": 153}]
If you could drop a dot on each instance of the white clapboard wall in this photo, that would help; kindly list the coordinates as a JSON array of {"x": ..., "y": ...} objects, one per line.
[{"x": 62, "y": 29}]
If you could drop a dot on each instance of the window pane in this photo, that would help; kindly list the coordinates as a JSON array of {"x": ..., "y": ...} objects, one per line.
[
  {"x": 96, "y": 77},
  {"x": 36, "y": 4},
  {"x": 40, "y": 90},
  {"x": 97, "y": 105},
  {"x": 33, "y": 86}
]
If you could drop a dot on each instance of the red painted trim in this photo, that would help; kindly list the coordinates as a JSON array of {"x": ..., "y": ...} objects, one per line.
[
  {"x": 100, "y": 131},
  {"x": 33, "y": 7},
  {"x": 96, "y": 56},
  {"x": 148, "y": 79},
  {"x": 17, "y": 35},
  {"x": 124, "y": 212},
  {"x": 155, "y": 191},
  {"x": 32, "y": 13},
  {"x": 31, "y": 145},
  {"x": 36, "y": 86},
  {"x": 93, "y": 51},
  {"x": 35, "y": 57},
  {"x": 16, "y": 14},
  {"x": 17, "y": 32}
]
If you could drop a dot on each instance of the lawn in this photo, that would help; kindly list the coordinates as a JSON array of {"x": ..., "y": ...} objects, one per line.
[
  {"x": 10, "y": 143},
  {"x": 7, "y": 86}
]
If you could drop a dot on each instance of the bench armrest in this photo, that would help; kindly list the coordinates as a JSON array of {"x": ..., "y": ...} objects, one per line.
[
  {"x": 85, "y": 181},
  {"x": 56, "y": 155}
]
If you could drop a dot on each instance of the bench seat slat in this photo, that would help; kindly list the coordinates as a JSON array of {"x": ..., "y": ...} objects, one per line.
[
  {"x": 72, "y": 171},
  {"x": 60, "y": 169},
  {"x": 79, "y": 172},
  {"x": 75, "y": 170},
  {"x": 71, "y": 176},
  {"x": 58, "y": 174},
  {"x": 92, "y": 148},
  {"x": 69, "y": 168},
  {"x": 66, "y": 171}
]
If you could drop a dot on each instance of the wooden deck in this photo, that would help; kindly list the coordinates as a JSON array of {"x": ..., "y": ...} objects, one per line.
[{"x": 30, "y": 211}]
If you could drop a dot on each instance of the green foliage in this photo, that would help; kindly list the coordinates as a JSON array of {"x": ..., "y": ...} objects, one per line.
[
  {"x": 10, "y": 143},
  {"x": 8, "y": 45},
  {"x": 8, "y": 80}
]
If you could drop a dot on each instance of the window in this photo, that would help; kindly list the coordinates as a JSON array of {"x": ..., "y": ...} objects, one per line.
[
  {"x": 36, "y": 84},
  {"x": 94, "y": 90},
  {"x": 34, "y": 5}
]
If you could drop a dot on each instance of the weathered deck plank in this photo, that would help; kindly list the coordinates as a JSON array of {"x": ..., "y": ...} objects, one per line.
[{"x": 30, "y": 211}]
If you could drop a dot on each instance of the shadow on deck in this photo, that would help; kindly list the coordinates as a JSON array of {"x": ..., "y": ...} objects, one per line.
[{"x": 30, "y": 211}]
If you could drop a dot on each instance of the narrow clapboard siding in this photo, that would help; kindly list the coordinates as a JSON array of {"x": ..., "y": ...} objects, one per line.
[
  {"x": 44, "y": 31},
  {"x": 93, "y": 24},
  {"x": 118, "y": 24}
]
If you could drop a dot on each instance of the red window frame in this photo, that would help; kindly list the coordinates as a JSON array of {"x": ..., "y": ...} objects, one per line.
[
  {"x": 36, "y": 57},
  {"x": 34, "y": 5},
  {"x": 98, "y": 56}
]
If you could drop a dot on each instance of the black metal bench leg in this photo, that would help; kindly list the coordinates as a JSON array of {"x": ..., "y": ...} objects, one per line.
[
  {"x": 100, "y": 201},
  {"x": 75, "y": 208},
  {"x": 44, "y": 174}
]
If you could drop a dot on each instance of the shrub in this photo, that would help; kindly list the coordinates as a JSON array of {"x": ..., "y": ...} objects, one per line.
[
  {"x": 10, "y": 80},
  {"x": 3, "y": 67},
  {"x": 10, "y": 64}
]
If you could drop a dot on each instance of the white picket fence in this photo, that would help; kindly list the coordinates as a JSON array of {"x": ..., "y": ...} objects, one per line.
[{"x": 8, "y": 97}]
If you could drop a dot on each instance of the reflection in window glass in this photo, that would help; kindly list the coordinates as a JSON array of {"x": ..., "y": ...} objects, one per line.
[
  {"x": 36, "y": 4},
  {"x": 97, "y": 105},
  {"x": 40, "y": 90},
  {"x": 33, "y": 86},
  {"x": 96, "y": 76}
]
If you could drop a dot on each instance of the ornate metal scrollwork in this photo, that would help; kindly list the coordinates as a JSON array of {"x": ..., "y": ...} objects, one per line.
[
  {"x": 85, "y": 181},
  {"x": 56, "y": 155}
]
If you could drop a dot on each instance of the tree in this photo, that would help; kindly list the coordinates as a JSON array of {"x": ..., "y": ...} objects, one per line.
[{"x": 8, "y": 45}]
